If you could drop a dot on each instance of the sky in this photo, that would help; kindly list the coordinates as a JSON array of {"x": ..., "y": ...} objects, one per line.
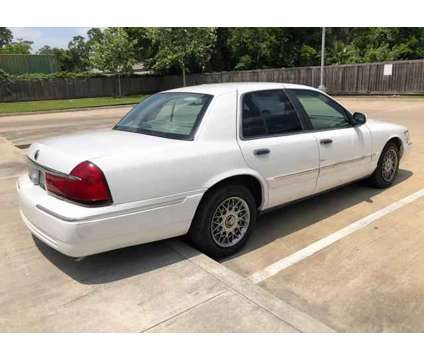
[{"x": 52, "y": 36}]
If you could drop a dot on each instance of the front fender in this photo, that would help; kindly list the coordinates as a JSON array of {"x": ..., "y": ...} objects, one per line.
[{"x": 382, "y": 132}]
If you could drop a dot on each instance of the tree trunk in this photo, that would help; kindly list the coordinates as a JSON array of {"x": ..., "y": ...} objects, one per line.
[
  {"x": 184, "y": 74},
  {"x": 119, "y": 85}
]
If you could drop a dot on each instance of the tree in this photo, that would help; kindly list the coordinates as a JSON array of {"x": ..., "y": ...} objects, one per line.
[
  {"x": 356, "y": 45},
  {"x": 143, "y": 44},
  {"x": 46, "y": 50},
  {"x": 252, "y": 47},
  {"x": 259, "y": 48},
  {"x": 77, "y": 56},
  {"x": 63, "y": 57},
  {"x": 79, "y": 52},
  {"x": 114, "y": 53},
  {"x": 19, "y": 46},
  {"x": 300, "y": 47},
  {"x": 183, "y": 48},
  {"x": 221, "y": 56},
  {"x": 94, "y": 35},
  {"x": 5, "y": 36}
]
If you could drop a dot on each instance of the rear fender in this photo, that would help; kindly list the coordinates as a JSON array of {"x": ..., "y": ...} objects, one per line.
[{"x": 237, "y": 172}]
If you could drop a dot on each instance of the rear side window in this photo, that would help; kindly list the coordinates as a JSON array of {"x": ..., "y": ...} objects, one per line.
[{"x": 268, "y": 112}]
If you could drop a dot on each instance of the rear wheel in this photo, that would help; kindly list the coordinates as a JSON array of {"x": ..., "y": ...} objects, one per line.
[
  {"x": 224, "y": 221},
  {"x": 387, "y": 167}
]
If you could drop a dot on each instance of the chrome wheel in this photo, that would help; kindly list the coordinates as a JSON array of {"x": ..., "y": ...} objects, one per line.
[
  {"x": 389, "y": 165},
  {"x": 230, "y": 221}
]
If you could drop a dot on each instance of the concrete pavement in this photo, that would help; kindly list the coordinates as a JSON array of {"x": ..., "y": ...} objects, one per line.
[
  {"x": 165, "y": 286},
  {"x": 371, "y": 280},
  {"x": 12, "y": 160}
]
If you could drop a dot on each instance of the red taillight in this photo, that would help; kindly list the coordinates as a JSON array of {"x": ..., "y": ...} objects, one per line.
[{"x": 85, "y": 184}]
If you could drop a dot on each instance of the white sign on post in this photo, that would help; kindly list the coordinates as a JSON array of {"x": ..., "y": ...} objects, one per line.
[{"x": 388, "y": 68}]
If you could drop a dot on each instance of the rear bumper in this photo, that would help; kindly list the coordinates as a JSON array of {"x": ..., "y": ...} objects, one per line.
[
  {"x": 80, "y": 231},
  {"x": 65, "y": 248}
]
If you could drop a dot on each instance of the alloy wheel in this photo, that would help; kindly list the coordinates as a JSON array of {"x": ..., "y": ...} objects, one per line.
[{"x": 230, "y": 221}]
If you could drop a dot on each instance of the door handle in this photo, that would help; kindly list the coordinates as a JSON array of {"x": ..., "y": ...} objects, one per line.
[
  {"x": 258, "y": 152},
  {"x": 325, "y": 141}
]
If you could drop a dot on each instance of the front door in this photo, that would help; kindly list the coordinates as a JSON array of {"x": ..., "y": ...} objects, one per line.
[
  {"x": 274, "y": 143},
  {"x": 344, "y": 150}
]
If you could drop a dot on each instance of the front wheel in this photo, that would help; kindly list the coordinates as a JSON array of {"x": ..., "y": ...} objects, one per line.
[
  {"x": 387, "y": 167},
  {"x": 224, "y": 221}
]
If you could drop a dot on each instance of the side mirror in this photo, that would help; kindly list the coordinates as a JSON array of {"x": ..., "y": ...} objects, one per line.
[{"x": 359, "y": 118}]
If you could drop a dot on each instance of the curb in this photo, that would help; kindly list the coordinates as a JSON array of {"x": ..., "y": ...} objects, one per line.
[
  {"x": 66, "y": 110},
  {"x": 256, "y": 294}
]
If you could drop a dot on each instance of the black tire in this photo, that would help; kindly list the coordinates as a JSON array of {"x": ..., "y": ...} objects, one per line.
[
  {"x": 378, "y": 178},
  {"x": 200, "y": 234}
]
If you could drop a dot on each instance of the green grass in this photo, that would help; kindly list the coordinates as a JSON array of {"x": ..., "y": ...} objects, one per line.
[{"x": 45, "y": 105}]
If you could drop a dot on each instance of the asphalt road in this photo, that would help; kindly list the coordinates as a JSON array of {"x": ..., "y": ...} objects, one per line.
[{"x": 22, "y": 130}]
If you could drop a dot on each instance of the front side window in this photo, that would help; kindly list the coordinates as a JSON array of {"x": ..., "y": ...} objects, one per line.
[
  {"x": 268, "y": 112},
  {"x": 174, "y": 115},
  {"x": 323, "y": 112}
]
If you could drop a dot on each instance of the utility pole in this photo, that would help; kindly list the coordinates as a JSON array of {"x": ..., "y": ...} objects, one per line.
[{"x": 321, "y": 83}]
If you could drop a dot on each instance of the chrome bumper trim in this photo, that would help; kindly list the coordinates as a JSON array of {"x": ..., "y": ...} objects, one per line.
[
  {"x": 347, "y": 161},
  {"x": 300, "y": 173},
  {"x": 309, "y": 171},
  {"x": 49, "y": 170},
  {"x": 112, "y": 213}
]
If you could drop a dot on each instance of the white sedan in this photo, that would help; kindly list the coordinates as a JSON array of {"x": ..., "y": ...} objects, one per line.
[{"x": 202, "y": 161}]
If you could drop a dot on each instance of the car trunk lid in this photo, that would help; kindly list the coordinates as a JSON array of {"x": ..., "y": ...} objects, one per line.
[{"x": 63, "y": 153}]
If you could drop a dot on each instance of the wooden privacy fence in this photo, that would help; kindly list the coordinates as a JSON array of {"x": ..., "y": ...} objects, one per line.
[
  {"x": 25, "y": 90},
  {"x": 402, "y": 78},
  {"x": 390, "y": 78}
]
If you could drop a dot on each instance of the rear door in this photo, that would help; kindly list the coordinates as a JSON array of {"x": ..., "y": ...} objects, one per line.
[
  {"x": 344, "y": 149},
  {"x": 273, "y": 142}
]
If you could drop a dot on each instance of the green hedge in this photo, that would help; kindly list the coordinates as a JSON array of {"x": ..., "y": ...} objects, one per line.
[{"x": 57, "y": 75}]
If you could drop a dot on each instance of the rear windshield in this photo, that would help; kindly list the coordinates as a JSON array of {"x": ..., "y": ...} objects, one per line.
[{"x": 171, "y": 114}]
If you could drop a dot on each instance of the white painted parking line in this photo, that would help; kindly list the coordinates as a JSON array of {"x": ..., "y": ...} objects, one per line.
[{"x": 331, "y": 239}]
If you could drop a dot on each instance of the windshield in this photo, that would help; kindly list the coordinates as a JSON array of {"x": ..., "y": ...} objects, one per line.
[{"x": 171, "y": 114}]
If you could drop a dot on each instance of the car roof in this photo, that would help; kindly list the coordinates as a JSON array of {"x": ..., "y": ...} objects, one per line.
[{"x": 240, "y": 87}]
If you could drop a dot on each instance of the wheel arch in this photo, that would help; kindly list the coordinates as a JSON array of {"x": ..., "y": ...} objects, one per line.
[
  {"x": 253, "y": 181},
  {"x": 398, "y": 142}
]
